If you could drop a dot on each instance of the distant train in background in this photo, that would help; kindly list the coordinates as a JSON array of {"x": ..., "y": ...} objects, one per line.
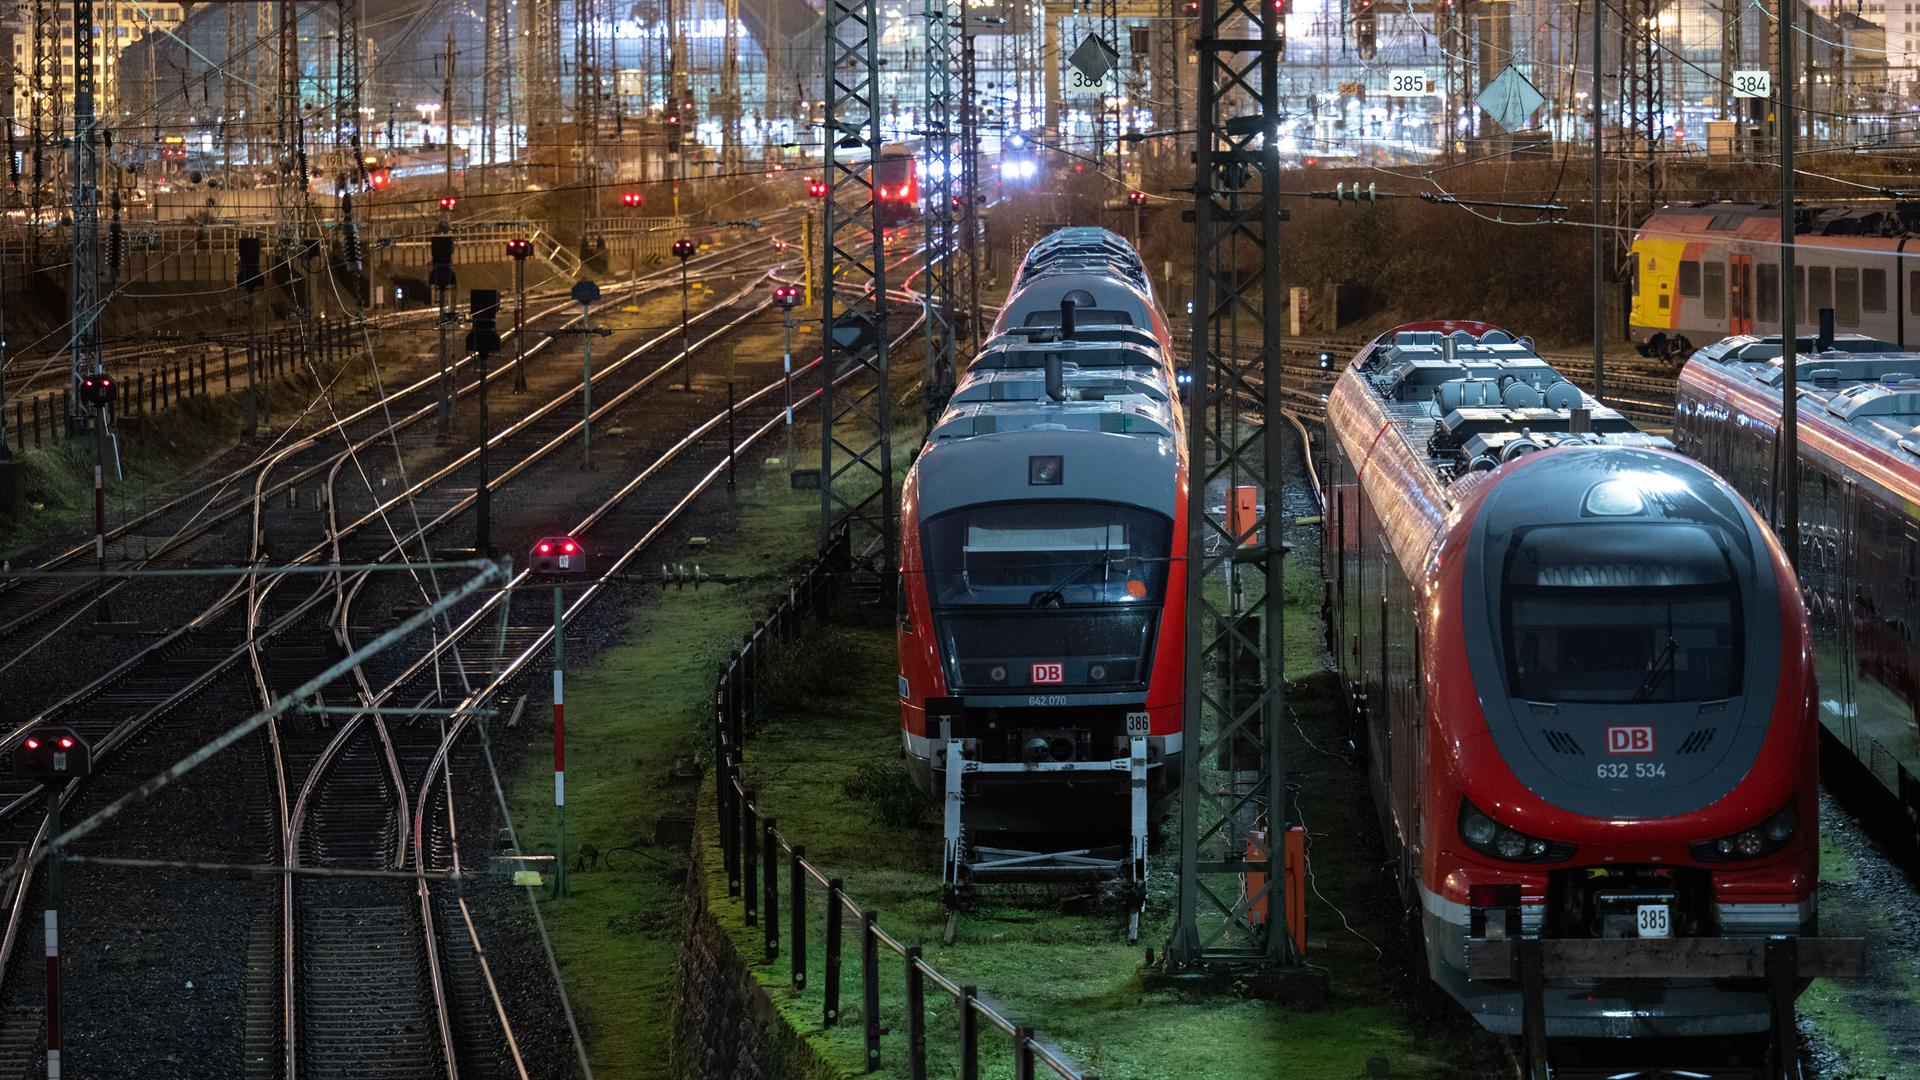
[
  {"x": 1703, "y": 272},
  {"x": 896, "y": 187}
]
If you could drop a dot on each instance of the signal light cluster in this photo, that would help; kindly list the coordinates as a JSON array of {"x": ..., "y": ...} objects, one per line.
[
  {"x": 1137, "y": 198},
  {"x": 97, "y": 388},
  {"x": 786, "y": 296},
  {"x": 520, "y": 247},
  {"x": 632, "y": 199},
  {"x": 448, "y": 202},
  {"x": 683, "y": 249},
  {"x": 816, "y": 188}
]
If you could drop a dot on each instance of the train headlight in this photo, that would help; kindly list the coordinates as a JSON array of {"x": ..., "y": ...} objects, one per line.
[
  {"x": 1763, "y": 839},
  {"x": 1489, "y": 837}
]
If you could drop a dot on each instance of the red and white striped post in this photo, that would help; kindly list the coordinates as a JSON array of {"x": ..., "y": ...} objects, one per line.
[
  {"x": 53, "y": 931},
  {"x": 559, "y": 742}
]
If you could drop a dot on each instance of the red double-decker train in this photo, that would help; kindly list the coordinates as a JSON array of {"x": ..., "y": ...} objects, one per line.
[{"x": 1581, "y": 669}]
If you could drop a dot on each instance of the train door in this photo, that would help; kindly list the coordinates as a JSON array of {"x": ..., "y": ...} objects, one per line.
[{"x": 1740, "y": 294}]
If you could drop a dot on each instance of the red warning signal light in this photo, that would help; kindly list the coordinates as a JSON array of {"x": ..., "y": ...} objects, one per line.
[
  {"x": 1137, "y": 198},
  {"x": 379, "y": 179},
  {"x": 32, "y": 743},
  {"x": 683, "y": 249},
  {"x": 631, "y": 199},
  {"x": 520, "y": 247},
  {"x": 448, "y": 202},
  {"x": 816, "y": 188}
]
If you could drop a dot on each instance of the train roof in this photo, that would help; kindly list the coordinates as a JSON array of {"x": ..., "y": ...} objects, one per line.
[
  {"x": 1133, "y": 401},
  {"x": 1467, "y": 403},
  {"x": 1751, "y": 347},
  {"x": 1099, "y": 298},
  {"x": 1762, "y": 220},
  {"x": 1131, "y": 349},
  {"x": 1083, "y": 250},
  {"x": 1873, "y": 396}
]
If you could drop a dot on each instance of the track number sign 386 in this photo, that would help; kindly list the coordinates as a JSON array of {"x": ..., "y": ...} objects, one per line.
[{"x": 1753, "y": 84}]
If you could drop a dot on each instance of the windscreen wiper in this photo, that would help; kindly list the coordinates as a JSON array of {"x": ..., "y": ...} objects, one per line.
[
  {"x": 1054, "y": 595},
  {"x": 1663, "y": 664}
]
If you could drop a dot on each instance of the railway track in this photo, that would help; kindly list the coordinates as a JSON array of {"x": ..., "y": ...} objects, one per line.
[
  {"x": 200, "y": 664},
  {"x": 194, "y": 527}
]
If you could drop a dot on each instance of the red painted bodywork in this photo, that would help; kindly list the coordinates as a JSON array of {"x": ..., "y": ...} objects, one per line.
[{"x": 1430, "y": 524}]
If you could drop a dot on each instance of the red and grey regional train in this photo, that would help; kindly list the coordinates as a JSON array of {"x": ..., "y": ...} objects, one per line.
[
  {"x": 1702, "y": 272},
  {"x": 1581, "y": 667},
  {"x": 1040, "y": 526},
  {"x": 896, "y": 188},
  {"x": 1859, "y": 468}
]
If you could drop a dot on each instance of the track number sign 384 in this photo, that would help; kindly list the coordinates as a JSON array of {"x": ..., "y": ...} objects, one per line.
[{"x": 1752, "y": 84}]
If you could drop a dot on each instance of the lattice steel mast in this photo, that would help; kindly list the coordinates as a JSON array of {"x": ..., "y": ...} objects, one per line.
[
  {"x": 856, "y": 444},
  {"x": 1234, "y": 716},
  {"x": 85, "y": 344},
  {"x": 942, "y": 183}
]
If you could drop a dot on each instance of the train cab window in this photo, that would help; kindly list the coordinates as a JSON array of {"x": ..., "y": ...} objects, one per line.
[
  {"x": 1846, "y": 296},
  {"x": 1820, "y": 288},
  {"x": 1047, "y": 554},
  {"x": 1713, "y": 303},
  {"x": 1769, "y": 292},
  {"x": 1591, "y": 618},
  {"x": 1913, "y": 292},
  {"x": 1689, "y": 278},
  {"x": 1873, "y": 291}
]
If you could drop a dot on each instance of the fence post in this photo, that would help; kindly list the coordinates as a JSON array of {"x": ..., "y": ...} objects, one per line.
[
  {"x": 749, "y": 856},
  {"x": 66, "y": 408},
  {"x": 730, "y": 828},
  {"x": 36, "y": 423},
  {"x": 770, "y": 903},
  {"x": 1023, "y": 1053},
  {"x": 139, "y": 384},
  {"x": 20, "y": 423},
  {"x": 870, "y": 986},
  {"x": 153, "y": 395},
  {"x": 916, "y": 1016},
  {"x": 797, "y": 917},
  {"x": 226, "y": 367},
  {"x": 969, "y": 1033},
  {"x": 836, "y": 910}
]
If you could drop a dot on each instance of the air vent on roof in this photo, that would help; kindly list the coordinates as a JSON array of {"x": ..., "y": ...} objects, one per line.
[
  {"x": 1562, "y": 742},
  {"x": 1697, "y": 740}
]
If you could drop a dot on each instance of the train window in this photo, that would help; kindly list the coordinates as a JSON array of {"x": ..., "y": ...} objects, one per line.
[
  {"x": 1713, "y": 303},
  {"x": 1689, "y": 278},
  {"x": 1769, "y": 292},
  {"x": 1589, "y": 618},
  {"x": 1820, "y": 288},
  {"x": 1047, "y": 554},
  {"x": 1873, "y": 291},
  {"x": 1846, "y": 296},
  {"x": 1913, "y": 292}
]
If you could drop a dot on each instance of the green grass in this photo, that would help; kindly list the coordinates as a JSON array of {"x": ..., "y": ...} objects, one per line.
[
  {"x": 637, "y": 707},
  {"x": 827, "y": 767}
]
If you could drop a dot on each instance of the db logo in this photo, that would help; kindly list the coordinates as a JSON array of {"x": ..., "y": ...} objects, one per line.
[
  {"x": 1052, "y": 672},
  {"x": 1630, "y": 739}
]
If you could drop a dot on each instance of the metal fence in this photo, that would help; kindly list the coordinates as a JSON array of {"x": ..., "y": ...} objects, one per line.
[{"x": 759, "y": 857}]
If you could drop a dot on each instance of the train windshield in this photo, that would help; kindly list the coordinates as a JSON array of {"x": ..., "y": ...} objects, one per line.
[
  {"x": 1044, "y": 555},
  {"x": 1622, "y": 615}
]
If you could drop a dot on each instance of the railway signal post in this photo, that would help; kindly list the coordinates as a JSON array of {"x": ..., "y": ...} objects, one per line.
[
  {"x": 96, "y": 393},
  {"x": 586, "y": 293},
  {"x": 482, "y": 342},
  {"x": 247, "y": 271},
  {"x": 556, "y": 559},
  {"x": 683, "y": 250},
  {"x": 52, "y": 756},
  {"x": 440, "y": 276},
  {"x": 519, "y": 248},
  {"x": 786, "y": 298}
]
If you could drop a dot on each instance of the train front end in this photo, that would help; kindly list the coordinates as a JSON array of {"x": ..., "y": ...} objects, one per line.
[
  {"x": 1039, "y": 603},
  {"x": 1621, "y": 695}
]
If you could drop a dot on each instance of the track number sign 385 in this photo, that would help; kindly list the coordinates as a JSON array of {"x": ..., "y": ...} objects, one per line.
[{"x": 1408, "y": 83}]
